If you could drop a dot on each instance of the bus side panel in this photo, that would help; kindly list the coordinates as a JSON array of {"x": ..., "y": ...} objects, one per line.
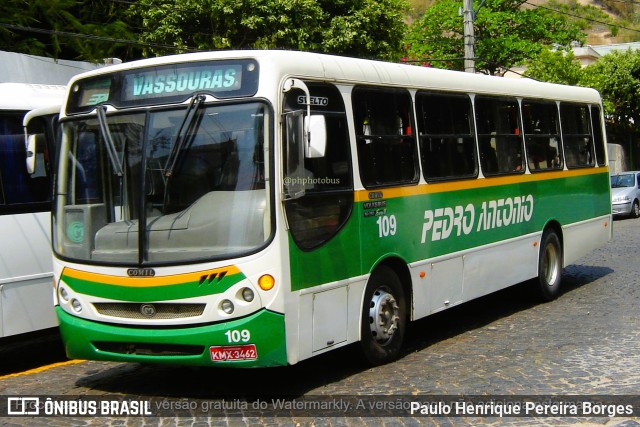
[
  {"x": 482, "y": 269},
  {"x": 338, "y": 259},
  {"x": 327, "y": 287},
  {"x": 584, "y": 237},
  {"x": 26, "y": 274},
  {"x": 480, "y": 236}
]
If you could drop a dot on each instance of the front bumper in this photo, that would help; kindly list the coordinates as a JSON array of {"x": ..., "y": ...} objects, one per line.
[
  {"x": 84, "y": 339},
  {"x": 621, "y": 209}
]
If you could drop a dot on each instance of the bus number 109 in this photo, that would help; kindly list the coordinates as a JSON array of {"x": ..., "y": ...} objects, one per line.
[
  {"x": 238, "y": 336},
  {"x": 386, "y": 225}
]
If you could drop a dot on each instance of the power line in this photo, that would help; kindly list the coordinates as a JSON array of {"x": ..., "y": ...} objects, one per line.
[
  {"x": 581, "y": 17},
  {"x": 624, "y": 1},
  {"x": 175, "y": 8},
  {"x": 93, "y": 37}
]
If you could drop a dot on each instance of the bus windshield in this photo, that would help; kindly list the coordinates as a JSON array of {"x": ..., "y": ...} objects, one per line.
[{"x": 151, "y": 186}]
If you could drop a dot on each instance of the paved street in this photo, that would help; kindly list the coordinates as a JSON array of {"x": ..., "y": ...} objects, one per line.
[{"x": 584, "y": 343}]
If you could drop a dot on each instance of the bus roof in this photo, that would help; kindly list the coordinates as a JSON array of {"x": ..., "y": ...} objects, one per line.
[
  {"x": 362, "y": 71},
  {"x": 27, "y": 96}
]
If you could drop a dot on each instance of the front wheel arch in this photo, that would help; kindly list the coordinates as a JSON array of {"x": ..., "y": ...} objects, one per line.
[{"x": 383, "y": 319}]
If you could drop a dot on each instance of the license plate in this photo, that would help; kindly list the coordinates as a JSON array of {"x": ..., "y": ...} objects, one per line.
[{"x": 228, "y": 353}]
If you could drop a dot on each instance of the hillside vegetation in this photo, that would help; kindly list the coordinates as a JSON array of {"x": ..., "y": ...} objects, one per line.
[{"x": 604, "y": 21}]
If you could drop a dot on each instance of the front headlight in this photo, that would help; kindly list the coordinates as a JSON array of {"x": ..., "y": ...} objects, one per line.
[{"x": 619, "y": 199}]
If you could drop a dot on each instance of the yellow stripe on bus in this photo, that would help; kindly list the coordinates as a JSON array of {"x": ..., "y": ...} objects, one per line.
[
  {"x": 141, "y": 282},
  {"x": 469, "y": 184}
]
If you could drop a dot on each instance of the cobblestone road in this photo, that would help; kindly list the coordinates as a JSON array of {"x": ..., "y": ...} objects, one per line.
[{"x": 584, "y": 343}]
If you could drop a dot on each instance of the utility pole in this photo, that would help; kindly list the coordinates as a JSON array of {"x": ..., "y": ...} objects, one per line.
[{"x": 469, "y": 37}]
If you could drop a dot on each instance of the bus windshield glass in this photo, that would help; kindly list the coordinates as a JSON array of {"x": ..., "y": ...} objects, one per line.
[{"x": 177, "y": 191}]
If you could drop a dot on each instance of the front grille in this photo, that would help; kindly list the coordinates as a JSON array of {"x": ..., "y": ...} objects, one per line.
[
  {"x": 153, "y": 311},
  {"x": 147, "y": 349}
]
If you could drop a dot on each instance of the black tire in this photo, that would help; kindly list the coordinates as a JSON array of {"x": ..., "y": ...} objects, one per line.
[
  {"x": 549, "y": 266},
  {"x": 384, "y": 300},
  {"x": 635, "y": 209}
]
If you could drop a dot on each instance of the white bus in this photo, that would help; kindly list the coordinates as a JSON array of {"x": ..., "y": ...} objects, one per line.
[
  {"x": 257, "y": 208},
  {"x": 25, "y": 211}
]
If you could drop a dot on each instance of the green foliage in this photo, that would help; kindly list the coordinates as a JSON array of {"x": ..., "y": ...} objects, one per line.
[
  {"x": 365, "y": 28},
  {"x": 94, "y": 29},
  {"x": 59, "y": 25},
  {"x": 617, "y": 77},
  {"x": 556, "y": 67},
  {"x": 418, "y": 7},
  {"x": 506, "y": 35},
  {"x": 581, "y": 15},
  {"x": 53, "y": 15},
  {"x": 619, "y": 18}
]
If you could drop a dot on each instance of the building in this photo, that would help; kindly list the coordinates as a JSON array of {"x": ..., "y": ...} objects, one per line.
[{"x": 589, "y": 54}]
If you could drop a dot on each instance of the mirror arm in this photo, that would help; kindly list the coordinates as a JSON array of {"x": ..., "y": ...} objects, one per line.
[{"x": 299, "y": 84}]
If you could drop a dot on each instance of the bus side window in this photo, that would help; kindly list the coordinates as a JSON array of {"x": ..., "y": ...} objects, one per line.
[
  {"x": 498, "y": 123},
  {"x": 447, "y": 145},
  {"x": 328, "y": 200},
  {"x": 387, "y": 151},
  {"x": 542, "y": 135},
  {"x": 19, "y": 188},
  {"x": 576, "y": 135}
]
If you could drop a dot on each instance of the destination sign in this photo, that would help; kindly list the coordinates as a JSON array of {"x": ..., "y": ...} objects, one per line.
[
  {"x": 164, "y": 84},
  {"x": 170, "y": 82}
]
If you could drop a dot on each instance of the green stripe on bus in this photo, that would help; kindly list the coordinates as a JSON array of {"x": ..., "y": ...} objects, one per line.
[{"x": 424, "y": 226}]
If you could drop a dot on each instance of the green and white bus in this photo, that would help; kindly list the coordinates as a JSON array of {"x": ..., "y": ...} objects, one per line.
[{"x": 258, "y": 208}]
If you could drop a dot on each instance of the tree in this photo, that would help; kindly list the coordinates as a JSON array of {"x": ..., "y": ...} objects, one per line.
[
  {"x": 506, "y": 35},
  {"x": 617, "y": 77},
  {"x": 365, "y": 28},
  {"x": 555, "y": 66},
  {"x": 67, "y": 29},
  {"x": 50, "y": 17}
]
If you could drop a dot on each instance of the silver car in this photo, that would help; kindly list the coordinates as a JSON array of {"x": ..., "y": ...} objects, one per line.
[{"x": 625, "y": 193}]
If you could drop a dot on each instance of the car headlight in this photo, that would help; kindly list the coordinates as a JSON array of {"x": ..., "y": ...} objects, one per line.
[{"x": 621, "y": 199}]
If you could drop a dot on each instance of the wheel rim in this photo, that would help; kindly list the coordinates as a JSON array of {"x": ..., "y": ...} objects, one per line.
[
  {"x": 384, "y": 315},
  {"x": 551, "y": 263}
]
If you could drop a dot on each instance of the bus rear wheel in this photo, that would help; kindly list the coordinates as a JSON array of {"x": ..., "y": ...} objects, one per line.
[
  {"x": 549, "y": 266},
  {"x": 383, "y": 320}
]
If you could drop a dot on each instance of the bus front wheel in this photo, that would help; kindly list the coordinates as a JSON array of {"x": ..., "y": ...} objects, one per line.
[
  {"x": 549, "y": 266},
  {"x": 383, "y": 320}
]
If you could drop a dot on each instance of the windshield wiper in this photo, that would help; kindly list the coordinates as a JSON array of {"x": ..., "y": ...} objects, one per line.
[
  {"x": 185, "y": 130},
  {"x": 108, "y": 139}
]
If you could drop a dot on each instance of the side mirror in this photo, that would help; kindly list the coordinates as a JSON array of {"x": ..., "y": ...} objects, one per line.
[
  {"x": 31, "y": 146},
  {"x": 316, "y": 137},
  {"x": 294, "y": 139},
  {"x": 305, "y": 136}
]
